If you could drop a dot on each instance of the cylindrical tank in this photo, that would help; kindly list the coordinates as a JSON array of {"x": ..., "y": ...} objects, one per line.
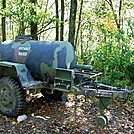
[{"x": 40, "y": 57}]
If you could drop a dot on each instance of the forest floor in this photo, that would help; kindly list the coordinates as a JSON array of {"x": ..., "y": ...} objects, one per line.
[{"x": 75, "y": 116}]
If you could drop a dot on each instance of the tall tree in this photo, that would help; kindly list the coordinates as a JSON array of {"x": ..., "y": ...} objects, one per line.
[
  {"x": 79, "y": 22},
  {"x": 62, "y": 19},
  {"x": 22, "y": 28},
  {"x": 33, "y": 24},
  {"x": 57, "y": 23},
  {"x": 72, "y": 18},
  {"x": 3, "y": 22}
]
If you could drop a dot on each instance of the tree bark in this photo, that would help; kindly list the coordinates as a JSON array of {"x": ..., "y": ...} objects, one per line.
[
  {"x": 73, "y": 10},
  {"x": 22, "y": 28},
  {"x": 62, "y": 19},
  {"x": 120, "y": 8},
  {"x": 57, "y": 23},
  {"x": 79, "y": 22},
  {"x": 3, "y": 22},
  {"x": 33, "y": 24}
]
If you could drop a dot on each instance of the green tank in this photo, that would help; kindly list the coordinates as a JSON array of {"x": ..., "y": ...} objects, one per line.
[{"x": 40, "y": 57}]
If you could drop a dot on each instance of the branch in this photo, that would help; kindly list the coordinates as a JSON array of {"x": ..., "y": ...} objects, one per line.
[
  {"x": 107, "y": 2},
  {"x": 43, "y": 27},
  {"x": 43, "y": 30},
  {"x": 46, "y": 6},
  {"x": 115, "y": 16}
]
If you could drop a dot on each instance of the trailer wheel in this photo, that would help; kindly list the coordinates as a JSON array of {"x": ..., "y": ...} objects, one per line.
[
  {"x": 48, "y": 94},
  {"x": 12, "y": 99}
]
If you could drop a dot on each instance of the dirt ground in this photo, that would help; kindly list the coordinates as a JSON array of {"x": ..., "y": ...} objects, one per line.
[{"x": 75, "y": 116}]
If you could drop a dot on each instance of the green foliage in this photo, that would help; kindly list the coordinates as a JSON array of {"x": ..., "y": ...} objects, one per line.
[
  {"x": 109, "y": 49},
  {"x": 112, "y": 56},
  {"x": 18, "y": 12},
  {"x": 130, "y": 71},
  {"x": 23, "y": 12},
  {"x": 101, "y": 9}
]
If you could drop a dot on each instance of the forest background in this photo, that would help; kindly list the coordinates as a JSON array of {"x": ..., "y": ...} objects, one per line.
[{"x": 101, "y": 31}]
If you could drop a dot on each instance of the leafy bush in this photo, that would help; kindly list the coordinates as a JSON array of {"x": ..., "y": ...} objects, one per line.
[
  {"x": 111, "y": 56},
  {"x": 130, "y": 71}
]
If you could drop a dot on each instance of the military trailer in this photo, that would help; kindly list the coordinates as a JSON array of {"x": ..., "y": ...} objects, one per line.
[{"x": 28, "y": 67}]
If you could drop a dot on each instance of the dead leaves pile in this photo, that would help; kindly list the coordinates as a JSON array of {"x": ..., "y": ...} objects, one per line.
[{"x": 76, "y": 116}]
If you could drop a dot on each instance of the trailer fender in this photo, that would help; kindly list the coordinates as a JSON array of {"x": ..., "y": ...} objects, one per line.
[{"x": 19, "y": 71}]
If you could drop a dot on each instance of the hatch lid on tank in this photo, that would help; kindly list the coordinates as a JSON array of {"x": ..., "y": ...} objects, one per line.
[{"x": 23, "y": 38}]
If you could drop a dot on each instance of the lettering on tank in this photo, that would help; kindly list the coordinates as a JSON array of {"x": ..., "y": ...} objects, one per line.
[{"x": 23, "y": 51}]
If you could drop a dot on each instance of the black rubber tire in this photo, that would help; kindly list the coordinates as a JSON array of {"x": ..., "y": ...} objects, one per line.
[
  {"x": 49, "y": 96},
  {"x": 12, "y": 98}
]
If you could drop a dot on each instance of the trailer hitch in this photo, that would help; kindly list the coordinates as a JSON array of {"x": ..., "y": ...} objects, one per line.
[{"x": 107, "y": 95}]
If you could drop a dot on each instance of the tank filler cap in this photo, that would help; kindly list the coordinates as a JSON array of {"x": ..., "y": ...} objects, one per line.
[{"x": 23, "y": 38}]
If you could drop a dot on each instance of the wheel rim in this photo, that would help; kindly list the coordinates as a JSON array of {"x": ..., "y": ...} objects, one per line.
[{"x": 7, "y": 98}]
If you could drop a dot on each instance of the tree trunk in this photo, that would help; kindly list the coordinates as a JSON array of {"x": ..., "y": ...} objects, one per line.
[
  {"x": 120, "y": 17},
  {"x": 3, "y": 22},
  {"x": 22, "y": 28},
  {"x": 57, "y": 23},
  {"x": 62, "y": 19},
  {"x": 73, "y": 9},
  {"x": 79, "y": 22},
  {"x": 33, "y": 24}
]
